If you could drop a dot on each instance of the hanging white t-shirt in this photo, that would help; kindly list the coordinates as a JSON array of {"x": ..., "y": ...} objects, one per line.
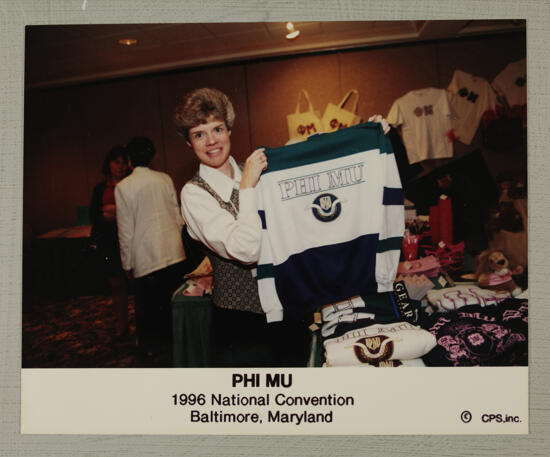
[
  {"x": 425, "y": 119},
  {"x": 470, "y": 96},
  {"x": 512, "y": 83}
]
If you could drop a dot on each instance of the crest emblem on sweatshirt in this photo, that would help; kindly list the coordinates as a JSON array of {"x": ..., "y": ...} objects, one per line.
[
  {"x": 326, "y": 207},
  {"x": 373, "y": 348}
]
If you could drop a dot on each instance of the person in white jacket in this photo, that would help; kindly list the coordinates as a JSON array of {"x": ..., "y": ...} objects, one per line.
[{"x": 151, "y": 248}]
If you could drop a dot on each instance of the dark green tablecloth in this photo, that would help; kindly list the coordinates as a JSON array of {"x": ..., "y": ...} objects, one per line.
[
  {"x": 191, "y": 327},
  {"x": 192, "y": 332}
]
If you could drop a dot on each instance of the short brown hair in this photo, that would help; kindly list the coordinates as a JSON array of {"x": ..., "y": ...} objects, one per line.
[{"x": 198, "y": 106}]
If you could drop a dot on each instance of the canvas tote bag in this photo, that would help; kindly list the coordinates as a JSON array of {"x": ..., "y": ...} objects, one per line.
[
  {"x": 336, "y": 117},
  {"x": 303, "y": 124}
]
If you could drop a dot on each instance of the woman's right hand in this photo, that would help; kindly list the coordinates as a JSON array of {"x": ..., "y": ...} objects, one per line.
[{"x": 253, "y": 167}]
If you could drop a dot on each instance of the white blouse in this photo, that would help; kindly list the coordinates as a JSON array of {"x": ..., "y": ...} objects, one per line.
[{"x": 236, "y": 239}]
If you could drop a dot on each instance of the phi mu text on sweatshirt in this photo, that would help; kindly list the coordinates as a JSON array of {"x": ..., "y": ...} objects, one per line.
[{"x": 332, "y": 220}]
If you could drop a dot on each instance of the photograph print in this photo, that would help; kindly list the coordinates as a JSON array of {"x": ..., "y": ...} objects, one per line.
[{"x": 271, "y": 194}]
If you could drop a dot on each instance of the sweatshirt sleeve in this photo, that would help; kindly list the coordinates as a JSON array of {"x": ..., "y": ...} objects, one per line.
[
  {"x": 392, "y": 221},
  {"x": 267, "y": 291}
]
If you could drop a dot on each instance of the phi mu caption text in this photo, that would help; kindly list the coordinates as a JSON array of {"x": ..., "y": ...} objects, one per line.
[{"x": 272, "y": 407}]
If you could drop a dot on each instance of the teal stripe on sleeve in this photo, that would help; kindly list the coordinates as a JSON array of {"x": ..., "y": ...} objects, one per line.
[
  {"x": 265, "y": 271},
  {"x": 390, "y": 244},
  {"x": 388, "y": 147}
]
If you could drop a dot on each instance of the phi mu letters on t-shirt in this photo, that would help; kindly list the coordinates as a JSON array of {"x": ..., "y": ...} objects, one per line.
[
  {"x": 425, "y": 119},
  {"x": 470, "y": 96}
]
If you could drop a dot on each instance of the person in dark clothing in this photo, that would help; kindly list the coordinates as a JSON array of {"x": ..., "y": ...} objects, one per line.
[{"x": 104, "y": 234}]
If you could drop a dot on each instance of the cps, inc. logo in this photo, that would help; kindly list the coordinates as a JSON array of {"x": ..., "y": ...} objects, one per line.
[{"x": 326, "y": 207}]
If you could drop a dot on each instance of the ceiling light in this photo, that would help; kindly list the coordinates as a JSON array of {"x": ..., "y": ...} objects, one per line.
[
  {"x": 127, "y": 41},
  {"x": 291, "y": 32}
]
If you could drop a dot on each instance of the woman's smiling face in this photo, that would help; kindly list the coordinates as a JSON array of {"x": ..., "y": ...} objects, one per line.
[{"x": 211, "y": 143}]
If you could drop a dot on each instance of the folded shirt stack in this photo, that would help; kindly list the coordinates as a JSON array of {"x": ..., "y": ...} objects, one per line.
[
  {"x": 373, "y": 331},
  {"x": 452, "y": 298},
  {"x": 376, "y": 343}
]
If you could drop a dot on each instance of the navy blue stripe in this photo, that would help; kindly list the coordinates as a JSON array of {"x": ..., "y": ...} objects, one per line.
[
  {"x": 328, "y": 146},
  {"x": 261, "y": 213},
  {"x": 265, "y": 271},
  {"x": 390, "y": 244},
  {"x": 326, "y": 274},
  {"x": 388, "y": 147},
  {"x": 392, "y": 196},
  {"x": 394, "y": 304}
]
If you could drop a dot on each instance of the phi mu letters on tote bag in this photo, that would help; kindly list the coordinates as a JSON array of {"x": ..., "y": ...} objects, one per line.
[
  {"x": 301, "y": 125},
  {"x": 336, "y": 117}
]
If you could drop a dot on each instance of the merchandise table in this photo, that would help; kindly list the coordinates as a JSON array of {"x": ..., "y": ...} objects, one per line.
[{"x": 191, "y": 329}]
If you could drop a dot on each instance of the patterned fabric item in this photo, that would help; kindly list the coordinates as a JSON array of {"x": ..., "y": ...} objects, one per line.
[
  {"x": 451, "y": 298},
  {"x": 234, "y": 286},
  {"x": 480, "y": 336},
  {"x": 377, "y": 343}
]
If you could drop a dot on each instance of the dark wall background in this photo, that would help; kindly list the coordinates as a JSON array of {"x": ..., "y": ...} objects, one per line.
[{"x": 68, "y": 130}]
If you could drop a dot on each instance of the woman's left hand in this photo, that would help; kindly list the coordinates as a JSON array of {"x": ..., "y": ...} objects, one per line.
[{"x": 378, "y": 118}]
